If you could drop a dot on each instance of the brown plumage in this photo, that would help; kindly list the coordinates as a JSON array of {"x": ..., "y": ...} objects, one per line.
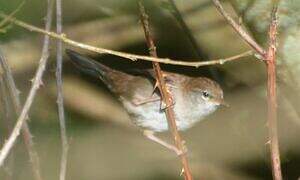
[{"x": 195, "y": 97}]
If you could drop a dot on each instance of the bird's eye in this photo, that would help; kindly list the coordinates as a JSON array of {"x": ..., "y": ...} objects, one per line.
[{"x": 205, "y": 95}]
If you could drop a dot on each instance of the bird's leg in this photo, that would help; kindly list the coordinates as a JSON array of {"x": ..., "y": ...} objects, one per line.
[
  {"x": 150, "y": 135},
  {"x": 138, "y": 102},
  {"x": 152, "y": 98}
]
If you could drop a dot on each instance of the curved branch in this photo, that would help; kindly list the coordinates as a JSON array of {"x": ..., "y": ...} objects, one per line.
[{"x": 132, "y": 57}]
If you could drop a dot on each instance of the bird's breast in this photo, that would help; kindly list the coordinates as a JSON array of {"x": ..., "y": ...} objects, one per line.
[{"x": 151, "y": 116}]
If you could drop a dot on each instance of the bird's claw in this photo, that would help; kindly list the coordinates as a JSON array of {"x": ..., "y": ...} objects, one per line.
[
  {"x": 181, "y": 152},
  {"x": 164, "y": 106}
]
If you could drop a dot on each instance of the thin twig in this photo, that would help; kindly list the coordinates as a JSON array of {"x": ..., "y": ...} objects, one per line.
[
  {"x": 27, "y": 136},
  {"x": 37, "y": 81},
  {"x": 239, "y": 29},
  {"x": 5, "y": 104},
  {"x": 133, "y": 57},
  {"x": 8, "y": 118},
  {"x": 60, "y": 100},
  {"x": 272, "y": 99},
  {"x": 166, "y": 97},
  {"x": 270, "y": 58},
  {"x": 12, "y": 14}
]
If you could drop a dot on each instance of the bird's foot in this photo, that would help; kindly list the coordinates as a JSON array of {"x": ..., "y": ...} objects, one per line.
[
  {"x": 164, "y": 106},
  {"x": 138, "y": 102}
]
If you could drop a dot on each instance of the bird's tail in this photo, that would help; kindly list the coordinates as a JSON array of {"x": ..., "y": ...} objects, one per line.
[{"x": 88, "y": 65}]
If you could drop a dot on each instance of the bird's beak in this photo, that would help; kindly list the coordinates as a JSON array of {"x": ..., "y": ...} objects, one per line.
[
  {"x": 220, "y": 102},
  {"x": 223, "y": 103}
]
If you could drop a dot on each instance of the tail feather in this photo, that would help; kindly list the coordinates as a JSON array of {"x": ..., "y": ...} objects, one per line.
[{"x": 87, "y": 64}]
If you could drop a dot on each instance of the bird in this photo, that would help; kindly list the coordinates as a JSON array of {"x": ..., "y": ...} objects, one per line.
[{"x": 194, "y": 97}]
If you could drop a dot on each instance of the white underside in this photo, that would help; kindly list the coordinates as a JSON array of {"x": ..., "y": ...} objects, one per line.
[{"x": 150, "y": 116}]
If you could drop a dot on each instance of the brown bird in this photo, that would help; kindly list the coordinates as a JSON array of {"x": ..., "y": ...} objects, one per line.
[{"x": 194, "y": 97}]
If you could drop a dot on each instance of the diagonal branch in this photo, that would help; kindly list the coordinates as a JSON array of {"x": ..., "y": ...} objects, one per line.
[
  {"x": 4, "y": 21},
  {"x": 132, "y": 57},
  {"x": 238, "y": 28},
  {"x": 37, "y": 81},
  {"x": 27, "y": 136},
  {"x": 166, "y": 97},
  {"x": 269, "y": 58}
]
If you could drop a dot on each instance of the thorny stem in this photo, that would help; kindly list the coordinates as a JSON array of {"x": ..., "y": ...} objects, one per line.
[
  {"x": 166, "y": 97},
  {"x": 272, "y": 99},
  {"x": 132, "y": 57},
  {"x": 269, "y": 58},
  {"x": 14, "y": 95},
  {"x": 27, "y": 136},
  {"x": 37, "y": 81},
  {"x": 60, "y": 100},
  {"x": 239, "y": 29}
]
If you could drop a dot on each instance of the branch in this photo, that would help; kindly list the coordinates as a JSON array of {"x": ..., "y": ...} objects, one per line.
[
  {"x": 15, "y": 98},
  {"x": 166, "y": 97},
  {"x": 11, "y": 15},
  {"x": 5, "y": 104},
  {"x": 60, "y": 100},
  {"x": 245, "y": 36},
  {"x": 270, "y": 58},
  {"x": 272, "y": 99},
  {"x": 37, "y": 81},
  {"x": 7, "y": 116},
  {"x": 132, "y": 57}
]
